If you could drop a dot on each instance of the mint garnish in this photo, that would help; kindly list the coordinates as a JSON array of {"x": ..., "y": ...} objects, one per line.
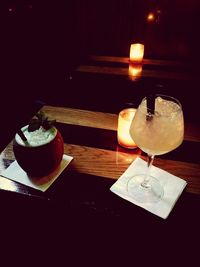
[{"x": 40, "y": 120}]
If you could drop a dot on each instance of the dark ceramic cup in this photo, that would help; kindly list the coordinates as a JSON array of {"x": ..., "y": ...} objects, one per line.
[{"x": 40, "y": 156}]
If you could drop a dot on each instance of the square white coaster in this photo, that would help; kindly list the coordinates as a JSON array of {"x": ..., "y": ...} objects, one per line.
[
  {"x": 173, "y": 187},
  {"x": 17, "y": 174}
]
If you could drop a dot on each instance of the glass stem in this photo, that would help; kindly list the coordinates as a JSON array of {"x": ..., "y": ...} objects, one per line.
[{"x": 145, "y": 183}]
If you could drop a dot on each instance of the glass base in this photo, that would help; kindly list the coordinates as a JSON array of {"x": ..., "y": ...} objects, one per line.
[{"x": 153, "y": 192}]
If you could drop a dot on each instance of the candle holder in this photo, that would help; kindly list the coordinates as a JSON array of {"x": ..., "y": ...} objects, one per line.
[
  {"x": 124, "y": 122},
  {"x": 136, "y": 53}
]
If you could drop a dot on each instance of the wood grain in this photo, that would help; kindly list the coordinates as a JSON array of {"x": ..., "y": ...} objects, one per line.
[
  {"x": 126, "y": 60},
  {"x": 103, "y": 120},
  {"x": 105, "y": 162},
  {"x": 112, "y": 164},
  {"x": 100, "y": 162},
  {"x": 82, "y": 117},
  {"x": 145, "y": 73}
]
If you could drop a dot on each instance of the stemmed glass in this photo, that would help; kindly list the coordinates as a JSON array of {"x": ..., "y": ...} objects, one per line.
[{"x": 156, "y": 129}]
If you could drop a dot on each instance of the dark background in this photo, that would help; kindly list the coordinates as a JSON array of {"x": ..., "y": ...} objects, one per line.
[
  {"x": 109, "y": 27},
  {"x": 42, "y": 42}
]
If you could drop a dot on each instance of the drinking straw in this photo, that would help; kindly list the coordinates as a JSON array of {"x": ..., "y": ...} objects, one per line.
[
  {"x": 21, "y": 134},
  {"x": 150, "y": 103},
  {"x": 150, "y": 106}
]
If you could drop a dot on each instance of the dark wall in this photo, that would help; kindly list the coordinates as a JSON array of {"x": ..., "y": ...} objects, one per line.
[
  {"x": 36, "y": 52},
  {"x": 36, "y": 41},
  {"x": 109, "y": 27},
  {"x": 41, "y": 42}
]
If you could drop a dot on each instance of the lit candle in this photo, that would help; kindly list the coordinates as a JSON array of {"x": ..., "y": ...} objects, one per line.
[
  {"x": 136, "y": 53},
  {"x": 134, "y": 71},
  {"x": 124, "y": 122}
]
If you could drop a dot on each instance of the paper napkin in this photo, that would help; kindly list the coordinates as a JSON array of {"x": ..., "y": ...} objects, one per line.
[
  {"x": 173, "y": 187},
  {"x": 15, "y": 173}
]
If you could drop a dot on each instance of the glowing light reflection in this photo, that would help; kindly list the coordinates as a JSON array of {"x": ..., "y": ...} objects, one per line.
[
  {"x": 150, "y": 17},
  {"x": 134, "y": 71}
]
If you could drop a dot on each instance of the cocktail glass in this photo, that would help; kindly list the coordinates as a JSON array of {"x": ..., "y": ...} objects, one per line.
[{"x": 155, "y": 131}]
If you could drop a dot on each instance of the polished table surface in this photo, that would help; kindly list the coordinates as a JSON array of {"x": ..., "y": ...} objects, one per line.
[
  {"x": 79, "y": 205},
  {"x": 91, "y": 139},
  {"x": 109, "y": 160}
]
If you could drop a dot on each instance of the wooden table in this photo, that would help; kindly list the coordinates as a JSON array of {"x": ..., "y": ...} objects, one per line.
[
  {"x": 80, "y": 208},
  {"x": 91, "y": 139},
  {"x": 83, "y": 211}
]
